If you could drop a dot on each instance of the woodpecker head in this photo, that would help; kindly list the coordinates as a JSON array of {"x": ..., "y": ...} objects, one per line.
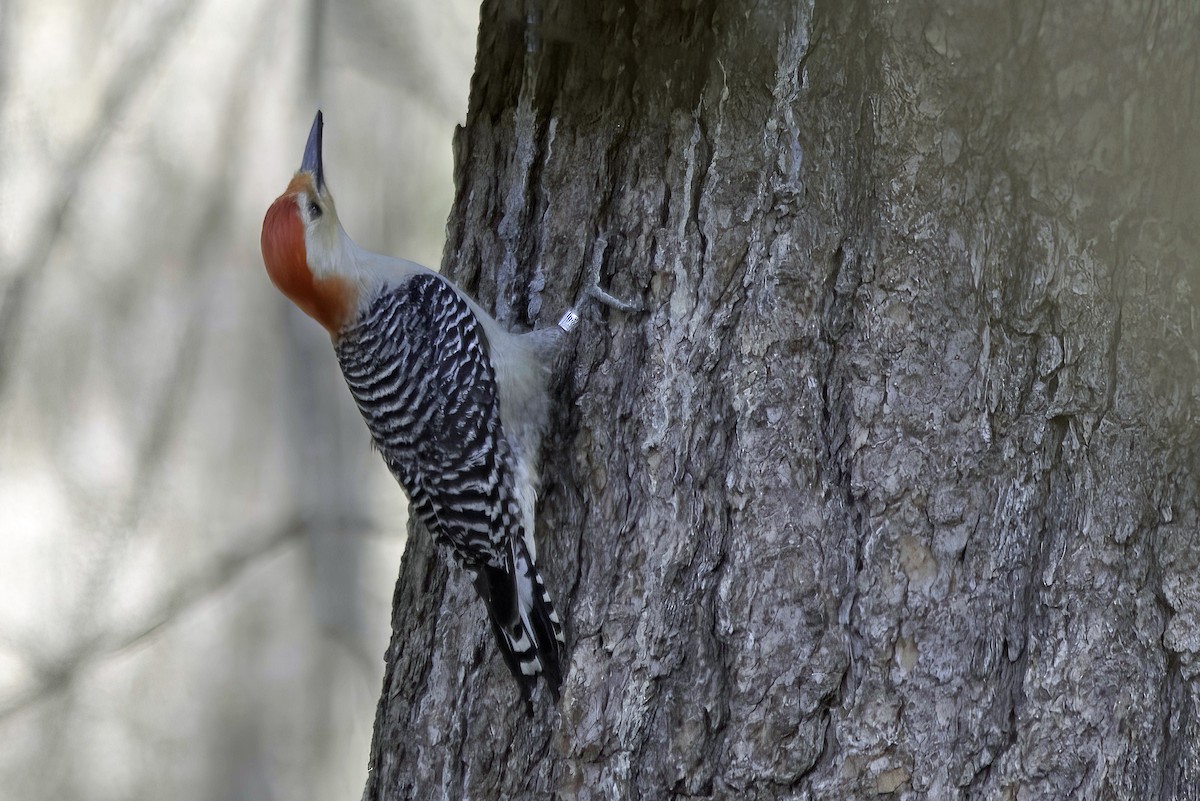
[{"x": 305, "y": 250}]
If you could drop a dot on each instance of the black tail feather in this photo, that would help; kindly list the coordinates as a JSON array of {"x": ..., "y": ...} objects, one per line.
[{"x": 531, "y": 645}]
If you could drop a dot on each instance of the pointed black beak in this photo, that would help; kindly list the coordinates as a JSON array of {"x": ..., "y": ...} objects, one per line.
[{"x": 312, "y": 153}]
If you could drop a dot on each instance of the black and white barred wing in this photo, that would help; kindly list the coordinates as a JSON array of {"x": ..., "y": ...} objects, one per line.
[{"x": 419, "y": 368}]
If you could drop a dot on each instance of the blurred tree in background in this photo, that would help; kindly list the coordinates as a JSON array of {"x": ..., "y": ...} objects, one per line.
[{"x": 198, "y": 545}]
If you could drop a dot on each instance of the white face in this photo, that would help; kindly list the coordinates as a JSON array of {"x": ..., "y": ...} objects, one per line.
[
  {"x": 311, "y": 207},
  {"x": 307, "y": 255},
  {"x": 324, "y": 240}
]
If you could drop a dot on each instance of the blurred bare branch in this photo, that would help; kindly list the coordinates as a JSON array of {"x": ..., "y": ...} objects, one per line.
[
  {"x": 189, "y": 591},
  {"x": 315, "y": 48},
  {"x": 177, "y": 388},
  {"x": 128, "y": 79},
  {"x": 153, "y": 396},
  {"x": 208, "y": 232},
  {"x": 5, "y": 58}
]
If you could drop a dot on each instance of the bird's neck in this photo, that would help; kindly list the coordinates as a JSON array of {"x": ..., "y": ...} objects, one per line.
[{"x": 329, "y": 296}]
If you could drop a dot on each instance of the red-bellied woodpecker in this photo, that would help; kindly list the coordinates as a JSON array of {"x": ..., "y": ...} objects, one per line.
[{"x": 456, "y": 405}]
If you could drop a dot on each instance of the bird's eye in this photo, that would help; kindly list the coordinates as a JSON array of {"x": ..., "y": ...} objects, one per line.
[{"x": 314, "y": 211}]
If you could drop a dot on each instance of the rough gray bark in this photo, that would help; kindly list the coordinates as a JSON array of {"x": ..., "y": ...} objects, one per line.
[{"x": 893, "y": 489}]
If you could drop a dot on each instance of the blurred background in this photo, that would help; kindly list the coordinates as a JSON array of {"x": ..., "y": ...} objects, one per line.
[{"x": 198, "y": 545}]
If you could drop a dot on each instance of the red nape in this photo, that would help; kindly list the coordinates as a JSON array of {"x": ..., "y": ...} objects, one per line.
[
  {"x": 331, "y": 300},
  {"x": 283, "y": 247}
]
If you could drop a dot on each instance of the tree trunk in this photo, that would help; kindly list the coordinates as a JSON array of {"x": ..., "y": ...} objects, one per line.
[{"x": 893, "y": 488}]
